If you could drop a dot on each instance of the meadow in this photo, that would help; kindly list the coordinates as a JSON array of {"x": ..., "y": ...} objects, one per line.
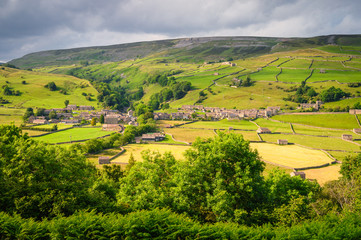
[
  {"x": 74, "y": 134},
  {"x": 314, "y": 142},
  {"x": 290, "y": 155},
  {"x": 222, "y": 124},
  {"x": 339, "y": 121},
  {"x": 34, "y": 94},
  {"x": 274, "y": 126}
]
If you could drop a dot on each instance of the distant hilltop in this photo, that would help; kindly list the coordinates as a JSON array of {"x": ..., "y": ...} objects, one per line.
[{"x": 183, "y": 49}]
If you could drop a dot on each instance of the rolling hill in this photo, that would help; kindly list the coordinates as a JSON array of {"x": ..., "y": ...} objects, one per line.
[
  {"x": 27, "y": 89},
  {"x": 213, "y": 65}
]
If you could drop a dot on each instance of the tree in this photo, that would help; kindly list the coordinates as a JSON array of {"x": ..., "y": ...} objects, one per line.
[
  {"x": 351, "y": 167},
  {"x": 51, "y": 86},
  {"x": 66, "y": 102},
  {"x": 101, "y": 119},
  {"x": 221, "y": 179},
  {"x": 52, "y": 115},
  {"x": 38, "y": 180},
  {"x": 93, "y": 121},
  {"x": 131, "y": 162},
  {"x": 29, "y": 112},
  {"x": 151, "y": 180}
]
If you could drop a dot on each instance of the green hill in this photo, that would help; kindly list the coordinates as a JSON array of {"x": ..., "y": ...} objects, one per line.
[
  {"x": 27, "y": 89},
  {"x": 276, "y": 67}
]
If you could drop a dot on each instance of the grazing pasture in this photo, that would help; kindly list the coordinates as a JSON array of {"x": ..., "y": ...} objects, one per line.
[
  {"x": 340, "y": 121},
  {"x": 74, "y": 134}
]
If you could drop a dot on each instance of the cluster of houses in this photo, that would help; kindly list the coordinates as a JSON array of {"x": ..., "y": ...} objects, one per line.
[
  {"x": 187, "y": 112},
  {"x": 73, "y": 114},
  {"x": 315, "y": 106}
]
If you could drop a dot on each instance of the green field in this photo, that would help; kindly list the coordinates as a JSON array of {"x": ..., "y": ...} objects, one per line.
[
  {"x": 274, "y": 126},
  {"x": 341, "y": 76},
  {"x": 294, "y": 75},
  {"x": 297, "y": 63},
  {"x": 222, "y": 124},
  {"x": 313, "y": 141},
  {"x": 74, "y": 134},
  {"x": 301, "y": 129},
  {"x": 340, "y": 121},
  {"x": 266, "y": 74}
]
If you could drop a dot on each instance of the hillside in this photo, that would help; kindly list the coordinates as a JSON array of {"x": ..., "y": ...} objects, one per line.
[
  {"x": 184, "y": 50},
  {"x": 215, "y": 67},
  {"x": 27, "y": 89}
]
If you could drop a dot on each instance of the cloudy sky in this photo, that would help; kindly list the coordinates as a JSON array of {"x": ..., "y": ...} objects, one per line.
[{"x": 33, "y": 25}]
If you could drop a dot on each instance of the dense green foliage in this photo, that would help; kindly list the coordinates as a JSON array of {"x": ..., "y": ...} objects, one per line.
[{"x": 218, "y": 187}]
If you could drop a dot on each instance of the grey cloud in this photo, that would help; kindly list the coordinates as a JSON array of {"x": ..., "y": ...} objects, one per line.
[{"x": 54, "y": 24}]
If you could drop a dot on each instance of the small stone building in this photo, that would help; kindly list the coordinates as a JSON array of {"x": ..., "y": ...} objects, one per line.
[
  {"x": 103, "y": 160},
  {"x": 282, "y": 142},
  {"x": 110, "y": 120},
  {"x": 357, "y": 130},
  {"x": 153, "y": 137},
  {"x": 263, "y": 130},
  {"x": 301, "y": 174},
  {"x": 347, "y": 137}
]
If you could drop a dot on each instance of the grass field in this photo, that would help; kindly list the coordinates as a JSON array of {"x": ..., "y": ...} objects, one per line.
[
  {"x": 325, "y": 174},
  {"x": 341, "y": 76},
  {"x": 328, "y": 65},
  {"x": 73, "y": 134},
  {"x": 188, "y": 135},
  {"x": 33, "y": 91},
  {"x": 136, "y": 150},
  {"x": 294, "y": 75},
  {"x": 266, "y": 74},
  {"x": 297, "y": 63},
  {"x": 223, "y": 124},
  {"x": 321, "y": 131},
  {"x": 274, "y": 126},
  {"x": 340, "y": 121},
  {"x": 291, "y": 155},
  {"x": 313, "y": 142}
]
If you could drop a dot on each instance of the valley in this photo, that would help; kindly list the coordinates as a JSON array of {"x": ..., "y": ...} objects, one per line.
[{"x": 287, "y": 73}]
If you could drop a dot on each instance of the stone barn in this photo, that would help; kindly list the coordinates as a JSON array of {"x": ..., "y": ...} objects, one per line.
[
  {"x": 282, "y": 142},
  {"x": 103, "y": 160},
  {"x": 347, "y": 137},
  {"x": 263, "y": 130},
  {"x": 301, "y": 174}
]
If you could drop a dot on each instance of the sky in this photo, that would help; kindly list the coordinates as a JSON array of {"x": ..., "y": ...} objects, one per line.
[{"x": 28, "y": 26}]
